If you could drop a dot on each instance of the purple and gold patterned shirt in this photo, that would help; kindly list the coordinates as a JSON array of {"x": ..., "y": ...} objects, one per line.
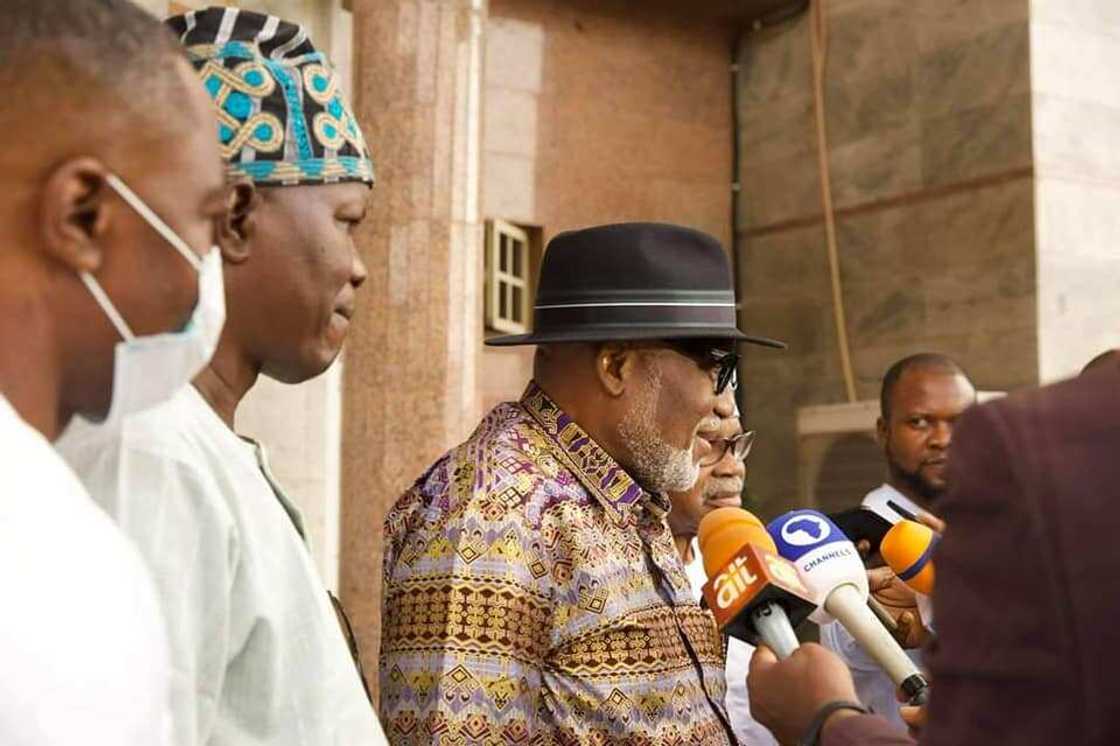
[{"x": 533, "y": 595}]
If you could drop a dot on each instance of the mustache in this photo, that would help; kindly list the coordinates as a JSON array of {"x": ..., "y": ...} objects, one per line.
[{"x": 722, "y": 486}]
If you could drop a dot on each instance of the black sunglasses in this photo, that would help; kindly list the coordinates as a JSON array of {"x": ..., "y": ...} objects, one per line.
[{"x": 724, "y": 362}]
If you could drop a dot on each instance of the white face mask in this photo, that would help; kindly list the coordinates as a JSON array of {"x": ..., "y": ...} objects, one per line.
[{"x": 149, "y": 370}]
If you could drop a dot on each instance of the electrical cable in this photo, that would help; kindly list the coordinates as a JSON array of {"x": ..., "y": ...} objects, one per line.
[{"x": 818, "y": 33}]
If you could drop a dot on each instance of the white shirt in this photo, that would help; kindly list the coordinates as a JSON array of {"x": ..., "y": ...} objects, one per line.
[
  {"x": 739, "y": 653},
  {"x": 257, "y": 651},
  {"x": 83, "y": 656},
  {"x": 874, "y": 687}
]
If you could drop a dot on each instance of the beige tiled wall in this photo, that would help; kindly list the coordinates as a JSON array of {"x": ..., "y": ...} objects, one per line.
[
  {"x": 1075, "y": 77},
  {"x": 929, "y": 118}
]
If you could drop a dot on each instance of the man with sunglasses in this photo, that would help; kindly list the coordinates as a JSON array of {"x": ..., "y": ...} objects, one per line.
[
  {"x": 532, "y": 589},
  {"x": 722, "y": 471}
]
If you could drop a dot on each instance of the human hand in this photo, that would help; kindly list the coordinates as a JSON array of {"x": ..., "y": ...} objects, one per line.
[
  {"x": 915, "y": 718},
  {"x": 900, "y": 602},
  {"x": 930, "y": 520},
  {"x": 786, "y": 695}
]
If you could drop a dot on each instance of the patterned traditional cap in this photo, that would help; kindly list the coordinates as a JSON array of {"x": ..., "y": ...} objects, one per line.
[{"x": 282, "y": 116}]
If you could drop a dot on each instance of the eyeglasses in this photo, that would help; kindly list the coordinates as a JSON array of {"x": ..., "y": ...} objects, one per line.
[
  {"x": 739, "y": 447},
  {"x": 722, "y": 363}
]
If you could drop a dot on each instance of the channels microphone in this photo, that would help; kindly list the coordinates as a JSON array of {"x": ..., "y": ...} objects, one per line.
[
  {"x": 754, "y": 594},
  {"x": 831, "y": 568},
  {"x": 908, "y": 549}
]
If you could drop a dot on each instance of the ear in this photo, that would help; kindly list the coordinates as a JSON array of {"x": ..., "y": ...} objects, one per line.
[
  {"x": 236, "y": 229},
  {"x": 881, "y": 434},
  {"x": 75, "y": 213},
  {"x": 614, "y": 367}
]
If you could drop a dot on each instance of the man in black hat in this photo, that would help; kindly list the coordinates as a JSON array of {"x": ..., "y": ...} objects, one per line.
[{"x": 532, "y": 588}]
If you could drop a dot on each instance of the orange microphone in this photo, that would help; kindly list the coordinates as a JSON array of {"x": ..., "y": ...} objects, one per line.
[
  {"x": 908, "y": 549},
  {"x": 755, "y": 594}
]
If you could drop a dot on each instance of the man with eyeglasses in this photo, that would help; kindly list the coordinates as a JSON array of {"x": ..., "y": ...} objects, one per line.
[
  {"x": 722, "y": 471},
  {"x": 532, "y": 589}
]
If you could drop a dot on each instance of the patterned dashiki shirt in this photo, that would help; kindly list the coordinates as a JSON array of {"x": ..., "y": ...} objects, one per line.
[{"x": 533, "y": 595}]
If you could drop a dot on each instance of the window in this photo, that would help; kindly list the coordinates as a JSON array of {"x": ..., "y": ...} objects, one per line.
[{"x": 508, "y": 277}]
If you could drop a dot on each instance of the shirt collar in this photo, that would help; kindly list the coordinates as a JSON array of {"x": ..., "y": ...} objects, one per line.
[
  {"x": 876, "y": 502},
  {"x": 600, "y": 474}
]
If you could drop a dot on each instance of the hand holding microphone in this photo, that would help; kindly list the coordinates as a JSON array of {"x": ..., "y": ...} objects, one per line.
[
  {"x": 908, "y": 550},
  {"x": 831, "y": 568},
  {"x": 754, "y": 594}
]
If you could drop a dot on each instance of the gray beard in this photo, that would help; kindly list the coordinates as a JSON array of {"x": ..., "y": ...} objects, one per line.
[{"x": 655, "y": 464}]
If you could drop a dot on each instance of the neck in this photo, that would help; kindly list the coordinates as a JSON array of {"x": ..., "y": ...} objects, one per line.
[
  {"x": 228, "y": 377},
  {"x": 589, "y": 415},
  {"x": 684, "y": 547},
  {"x": 32, "y": 381},
  {"x": 906, "y": 489}
]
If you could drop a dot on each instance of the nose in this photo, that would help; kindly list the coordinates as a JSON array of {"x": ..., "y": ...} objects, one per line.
[
  {"x": 729, "y": 466},
  {"x": 941, "y": 435},
  {"x": 358, "y": 271},
  {"x": 725, "y": 404}
]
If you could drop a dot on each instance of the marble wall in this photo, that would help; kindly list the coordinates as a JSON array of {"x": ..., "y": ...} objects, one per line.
[{"x": 929, "y": 115}]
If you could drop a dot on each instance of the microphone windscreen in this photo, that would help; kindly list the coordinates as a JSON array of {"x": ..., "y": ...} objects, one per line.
[
  {"x": 724, "y": 531},
  {"x": 908, "y": 549}
]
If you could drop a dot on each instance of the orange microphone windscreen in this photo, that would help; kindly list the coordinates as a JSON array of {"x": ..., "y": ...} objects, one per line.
[
  {"x": 908, "y": 548},
  {"x": 724, "y": 531}
]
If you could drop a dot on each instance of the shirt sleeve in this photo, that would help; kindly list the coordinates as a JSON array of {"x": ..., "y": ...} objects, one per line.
[
  {"x": 737, "y": 701},
  {"x": 465, "y": 630},
  {"x": 174, "y": 514},
  {"x": 837, "y": 639},
  {"x": 1003, "y": 646}
]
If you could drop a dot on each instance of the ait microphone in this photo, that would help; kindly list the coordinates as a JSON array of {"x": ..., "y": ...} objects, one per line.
[
  {"x": 831, "y": 568},
  {"x": 754, "y": 594},
  {"x": 908, "y": 549}
]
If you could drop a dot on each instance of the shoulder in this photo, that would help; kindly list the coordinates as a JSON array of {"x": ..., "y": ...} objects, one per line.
[
  {"x": 505, "y": 467},
  {"x": 503, "y": 483},
  {"x": 168, "y": 458},
  {"x": 86, "y": 642},
  {"x": 75, "y": 564},
  {"x": 1085, "y": 407}
]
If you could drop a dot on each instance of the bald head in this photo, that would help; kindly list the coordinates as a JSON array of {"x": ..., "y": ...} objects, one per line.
[
  {"x": 75, "y": 71},
  {"x": 95, "y": 93},
  {"x": 926, "y": 362}
]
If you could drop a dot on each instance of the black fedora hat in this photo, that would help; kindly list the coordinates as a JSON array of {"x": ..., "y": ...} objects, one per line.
[{"x": 632, "y": 281}]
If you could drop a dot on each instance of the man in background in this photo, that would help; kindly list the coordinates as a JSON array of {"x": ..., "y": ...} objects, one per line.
[
  {"x": 1027, "y": 635},
  {"x": 258, "y": 654},
  {"x": 720, "y": 485},
  {"x": 112, "y": 187},
  {"x": 921, "y": 400}
]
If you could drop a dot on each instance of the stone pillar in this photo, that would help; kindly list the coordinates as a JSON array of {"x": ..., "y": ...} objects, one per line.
[{"x": 409, "y": 380}]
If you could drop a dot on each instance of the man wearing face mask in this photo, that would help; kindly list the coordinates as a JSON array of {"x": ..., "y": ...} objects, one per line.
[
  {"x": 533, "y": 593},
  {"x": 257, "y": 650},
  {"x": 106, "y": 277}
]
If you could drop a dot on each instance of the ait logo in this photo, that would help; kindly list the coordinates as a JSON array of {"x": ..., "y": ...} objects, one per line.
[
  {"x": 733, "y": 582},
  {"x": 805, "y": 529}
]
